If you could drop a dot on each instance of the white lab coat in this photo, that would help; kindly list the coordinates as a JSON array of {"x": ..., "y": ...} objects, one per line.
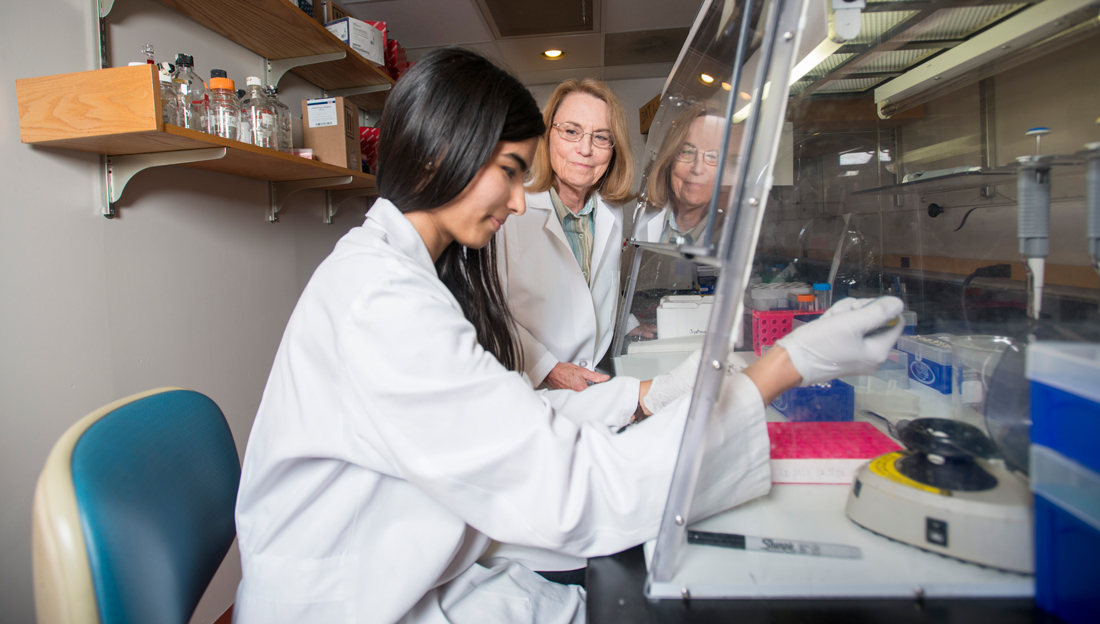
[
  {"x": 389, "y": 448},
  {"x": 561, "y": 318},
  {"x": 657, "y": 270},
  {"x": 650, "y": 225}
]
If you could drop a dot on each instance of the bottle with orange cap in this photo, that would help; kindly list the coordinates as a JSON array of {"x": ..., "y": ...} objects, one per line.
[{"x": 225, "y": 111}]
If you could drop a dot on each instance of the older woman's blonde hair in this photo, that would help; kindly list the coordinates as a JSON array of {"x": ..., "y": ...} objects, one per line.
[
  {"x": 616, "y": 185},
  {"x": 660, "y": 175}
]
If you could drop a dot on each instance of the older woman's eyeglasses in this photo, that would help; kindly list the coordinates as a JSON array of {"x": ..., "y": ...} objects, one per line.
[
  {"x": 689, "y": 153},
  {"x": 572, "y": 132}
]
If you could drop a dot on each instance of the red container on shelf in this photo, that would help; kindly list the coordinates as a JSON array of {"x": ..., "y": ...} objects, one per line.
[
  {"x": 397, "y": 62},
  {"x": 769, "y": 326},
  {"x": 368, "y": 143}
]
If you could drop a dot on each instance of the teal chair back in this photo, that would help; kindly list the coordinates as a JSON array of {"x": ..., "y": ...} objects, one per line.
[{"x": 133, "y": 512}]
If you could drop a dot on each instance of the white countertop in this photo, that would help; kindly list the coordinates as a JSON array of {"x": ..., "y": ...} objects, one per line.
[{"x": 816, "y": 513}]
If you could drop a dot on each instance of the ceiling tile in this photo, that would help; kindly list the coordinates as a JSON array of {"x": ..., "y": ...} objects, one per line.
[
  {"x": 624, "y": 15},
  {"x": 525, "y": 18},
  {"x": 424, "y": 25},
  {"x": 525, "y": 55},
  {"x": 448, "y": 21},
  {"x": 627, "y": 72},
  {"x": 644, "y": 46}
]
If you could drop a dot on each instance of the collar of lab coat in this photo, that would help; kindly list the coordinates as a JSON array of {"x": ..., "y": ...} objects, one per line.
[
  {"x": 606, "y": 220},
  {"x": 649, "y": 225},
  {"x": 399, "y": 232}
]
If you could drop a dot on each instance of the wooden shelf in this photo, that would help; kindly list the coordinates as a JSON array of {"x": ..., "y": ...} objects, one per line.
[
  {"x": 241, "y": 159},
  {"x": 276, "y": 30},
  {"x": 116, "y": 112}
]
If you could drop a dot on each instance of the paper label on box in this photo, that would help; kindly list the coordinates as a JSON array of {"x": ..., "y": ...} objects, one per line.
[
  {"x": 340, "y": 29},
  {"x": 322, "y": 113}
]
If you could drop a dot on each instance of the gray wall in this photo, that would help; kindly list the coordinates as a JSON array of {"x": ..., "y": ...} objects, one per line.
[{"x": 190, "y": 286}]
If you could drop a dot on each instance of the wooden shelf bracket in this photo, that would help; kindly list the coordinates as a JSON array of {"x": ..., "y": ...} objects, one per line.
[
  {"x": 118, "y": 170},
  {"x": 280, "y": 191},
  {"x": 276, "y": 68},
  {"x": 335, "y": 199},
  {"x": 99, "y": 24}
]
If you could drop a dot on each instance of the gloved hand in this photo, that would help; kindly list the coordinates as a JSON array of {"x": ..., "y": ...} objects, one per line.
[
  {"x": 668, "y": 386},
  {"x": 682, "y": 379},
  {"x": 837, "y": 344}
]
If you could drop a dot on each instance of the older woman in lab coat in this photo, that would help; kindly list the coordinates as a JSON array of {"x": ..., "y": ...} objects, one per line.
[
  {"x": 560, "y": 261},
  {"x": 395, "y": 437}
]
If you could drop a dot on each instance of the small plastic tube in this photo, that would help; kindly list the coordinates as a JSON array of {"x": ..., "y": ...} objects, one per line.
[{"x": 823, "y": 296}]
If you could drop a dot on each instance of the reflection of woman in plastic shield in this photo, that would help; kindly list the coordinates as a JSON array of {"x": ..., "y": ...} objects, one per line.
[
  {"x": 680, "y": 187},
  {"x": 683, "y": 179}
]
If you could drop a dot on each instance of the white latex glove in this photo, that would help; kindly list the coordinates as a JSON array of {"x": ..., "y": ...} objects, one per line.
[
  {"x": 837, "y": 344},
  {"x": 668, "y": 386},
  {"x": 682, "y": 379}
]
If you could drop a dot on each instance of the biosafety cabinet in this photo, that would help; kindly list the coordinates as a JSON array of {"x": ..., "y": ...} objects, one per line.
[{"x": 808, "y": 151}]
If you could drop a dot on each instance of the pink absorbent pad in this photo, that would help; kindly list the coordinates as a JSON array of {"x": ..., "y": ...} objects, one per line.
[{"x": 824, "y": 452}]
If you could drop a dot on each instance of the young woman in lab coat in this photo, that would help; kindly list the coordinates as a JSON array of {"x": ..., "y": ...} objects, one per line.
[
  {"x": 563, "y": 288},
  {"x": 395, "y": 437}
]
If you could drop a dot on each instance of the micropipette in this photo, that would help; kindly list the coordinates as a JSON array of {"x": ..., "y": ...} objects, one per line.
[
  {"x": 1033, "y": 219},
  {"x": 1092, "y": 202}
]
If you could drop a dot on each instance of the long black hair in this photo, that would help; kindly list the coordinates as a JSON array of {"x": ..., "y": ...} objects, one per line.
[{"x": 440, "y": 125}]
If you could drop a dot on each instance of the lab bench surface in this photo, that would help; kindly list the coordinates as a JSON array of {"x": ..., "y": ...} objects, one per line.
[{"x": 615, "y": 596}]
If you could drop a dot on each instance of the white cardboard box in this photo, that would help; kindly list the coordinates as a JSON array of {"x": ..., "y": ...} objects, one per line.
[
  {"x": 683, "y": 315},
  {"x": 361, "y": 37}
]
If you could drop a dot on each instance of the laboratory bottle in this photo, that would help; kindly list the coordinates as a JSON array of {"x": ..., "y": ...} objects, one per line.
[
  {"x": 283, "y": 120},
  {"x": 225, "y": 112},
  {"x": 258, "y": 117},
  {"x": 169, "y": 107},
  {"x": 192, "y": 98},
  {"x": 244, "y": 131},
  {"x": 147, "y": 50}
]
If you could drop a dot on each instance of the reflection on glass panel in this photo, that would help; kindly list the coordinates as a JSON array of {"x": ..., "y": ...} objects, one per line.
[
  {"x": 967, "y": 199},
  {"x": 683, "y": 178}
]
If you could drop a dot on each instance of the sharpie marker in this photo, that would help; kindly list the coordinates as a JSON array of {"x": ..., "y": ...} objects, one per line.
[{"x": 774, "y": 545}]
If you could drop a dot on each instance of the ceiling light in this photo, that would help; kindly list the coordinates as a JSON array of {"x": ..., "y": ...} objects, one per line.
[
  {"x": 726, "y": 86},
  {"x": 706, "y": 78},
  {"x": 553, "y": 55}
]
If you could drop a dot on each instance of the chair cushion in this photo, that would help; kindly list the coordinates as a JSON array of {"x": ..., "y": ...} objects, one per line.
[{"x": 156, "y": 483}]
